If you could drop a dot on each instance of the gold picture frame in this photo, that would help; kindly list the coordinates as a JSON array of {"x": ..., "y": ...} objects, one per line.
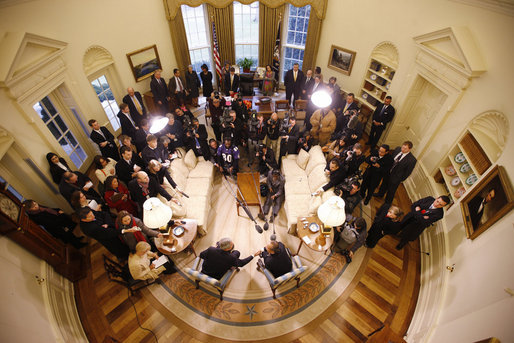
[
  {"x": 341, "y": 59},
  {"x": 479, "y": 216},
  {"x": 144, "y": 62}
]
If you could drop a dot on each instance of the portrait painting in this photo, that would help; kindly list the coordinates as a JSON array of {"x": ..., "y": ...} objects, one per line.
[{"x": 341, "y": 59}]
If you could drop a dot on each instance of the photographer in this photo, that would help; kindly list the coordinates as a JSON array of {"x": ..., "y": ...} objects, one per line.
[
  {"x": 353, "y": 129},
  {"x": 228, "y": 157},
  {"x": 213, "y": 151},
  {"x": 196, "y": 139},
  {"x": 256, "y": 134},
  {"x": 273, "y": 134},
  {"x": 350, "y": 192},
  {"x": 387, "y": 222},
  {"x": 231, "y": 127},
  {"x": 289, "y": 135},
  {"x": 276, "y": 196},
  {"x": 305, "y": 142},
  {"x": 240, "y": 107},
  {"x": 352, "y": 236},
  {"x": 353, "y": 158},
  {"x": 215, "y": 108},
  {"x": 379, "y": 163},
  {"x": 336, "y": 176},
  {"x": 266, "y": 158},
  {"x": 184, "y": 116}
]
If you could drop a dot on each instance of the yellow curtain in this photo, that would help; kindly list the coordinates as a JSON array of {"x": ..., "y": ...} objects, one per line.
[
  {"x": 312, "y": 43},
  {"x": 223, "y": 19},
  {"x": 179, "y": 40},
  {"x": 268, "y": 26}
]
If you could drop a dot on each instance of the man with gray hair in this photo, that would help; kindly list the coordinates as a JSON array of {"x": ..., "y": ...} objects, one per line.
[
  {"x": 219, "y": 259},
  {"x": 134, "y": 100}
]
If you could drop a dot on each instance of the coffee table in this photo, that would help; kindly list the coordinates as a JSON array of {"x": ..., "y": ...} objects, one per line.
[
  {"x": 248, "y": 184},
  {"x": 309, "y": 238},
  {"x": 183, "y": 242}
]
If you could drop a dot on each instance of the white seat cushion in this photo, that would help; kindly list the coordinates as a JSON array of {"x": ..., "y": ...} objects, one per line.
[
  {"x": 290, "y": 168},
  {"x": 190, "y": 159},
  {"x": 198, "y": 186},
  {"x": 297, "y": 185},
  {"x": 180, "y": 180},
  {"x": 178, "y": 166},
  {"x": 315, "y": 159},
  {"x": 197, "y": 207},
  {"x": 296, "y": 205},
  {"x": 202, "y": 169},
  {"x": 302, "y": 159},
  {"x": 317, "y": 178}
]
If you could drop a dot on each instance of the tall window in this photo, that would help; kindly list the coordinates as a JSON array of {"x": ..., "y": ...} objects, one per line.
[
  {"x": 104, "y": 92},
  {"x": 297, "y": 19},
  {"x": 197, "y": 36},
  {"x": 55, "y": 123},
  {"x": 246, "y": 31}
]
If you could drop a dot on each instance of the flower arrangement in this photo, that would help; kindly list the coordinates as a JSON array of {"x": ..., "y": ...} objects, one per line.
[{"x": 248, "y": 104}]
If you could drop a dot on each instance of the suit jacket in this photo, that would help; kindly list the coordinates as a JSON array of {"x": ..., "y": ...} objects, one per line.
[
  {"x": 404, "y": 168},
  {"x": 336, "y": 177},
  {"x": 124, "y": 170},
  {"x": 159, "y": 90},
  {"x": 109, "y": 237},
  {"x": 385, "y": 163},
  {"x": 202, "y": 140},
  {"x": 278, "y": 263},
  {"x": 319, "y": 87},
  {"x": 294, "y": 134},
  {"x": 217, "y": 262},
  {"x": 289, "y": 82},
  {"x": 418, "y": 216},
  {"x": 235, "y": 84},
  {"x": 172, "y": 85},
  {"x": 385, "y": 117},
  {"x": 140, "y": 139},
  {"x": 127, "y": 128},
  {"x": 57, "y": 171},
  {"x": 136, "y": 192},
  {"x": 342, "y": 120},
  {"x": 67, "y": 189},
  {"x": 133, "y": 110},
  {"x": 110, "y": 149},
  {"x": 306, "y": 86},
  {"x": 159, "y": 153}
]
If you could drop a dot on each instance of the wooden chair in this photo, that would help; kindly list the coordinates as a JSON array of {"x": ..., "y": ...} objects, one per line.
[
  {"x": 198, "y": 276},
  {"x": 121, "y": 275},
  {"x": 281, "y": 107},
  {"x": 274, "y": 282}
]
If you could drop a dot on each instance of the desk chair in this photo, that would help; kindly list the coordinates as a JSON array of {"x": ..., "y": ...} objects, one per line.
[
  {"x": 121, "y": 274},
  {"x": 200, "y": 277},
  {"x": 274, "y": 282},
  {"x": 300, "y": 108}
]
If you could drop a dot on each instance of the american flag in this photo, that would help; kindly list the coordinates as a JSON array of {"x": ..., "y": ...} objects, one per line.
[
  {"x": 215, "y": 51},
  {"x": 276, "y": 54}
]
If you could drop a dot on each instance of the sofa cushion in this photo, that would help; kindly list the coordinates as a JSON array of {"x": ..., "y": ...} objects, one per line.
[
  {"x": 198, "y": 186},
  {"x": 291, "y": 156},
  {"x": 316, "y": 158},
  {"x": 302, "y": 159},
  {"x": 198, "y": 208},
  {"x": 190, "y": 159},
  {"x": 180, "y": 180},
  {"x": 178, "y": 166},
  {"x": 202, "y": 169},
  {"x": 296, "y": 205},
  {"x": 290, "y": 169},
  {"x": 317, "y": 178},
  {"x": 296, "y": 185},
  {"x": 314, "y": 203}
]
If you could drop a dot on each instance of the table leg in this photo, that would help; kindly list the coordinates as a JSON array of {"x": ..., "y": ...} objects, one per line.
[
  {"x": 191, "y": 246},
  {"x": 237, "y": 208},
  {"x": 299, "y": 247}
]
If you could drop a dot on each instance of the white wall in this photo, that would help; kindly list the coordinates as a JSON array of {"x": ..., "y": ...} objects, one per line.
[{"x": 475, "y": 305}]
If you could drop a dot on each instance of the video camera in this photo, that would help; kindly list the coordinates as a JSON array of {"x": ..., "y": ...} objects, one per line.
[
  {"x": 253, "y": 122},
  {"x": 217, "y": 95},
  {"x": 226, "y": 118},
  {"x": 346, "y": 185}
]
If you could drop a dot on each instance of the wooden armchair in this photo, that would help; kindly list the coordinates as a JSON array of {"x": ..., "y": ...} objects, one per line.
[
  {"x": 300, "y": 108},
  {"x": 198, "y": 276},
  {"x": 121, "y": 274}
]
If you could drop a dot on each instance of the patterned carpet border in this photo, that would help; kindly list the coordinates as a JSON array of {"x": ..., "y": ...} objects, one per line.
[{"x": 255, "y": 312}]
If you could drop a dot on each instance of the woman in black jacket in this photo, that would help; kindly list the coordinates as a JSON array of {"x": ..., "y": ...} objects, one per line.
[
  {"x": 387, "y": 222},
  {"x": 58, "y": 166}
]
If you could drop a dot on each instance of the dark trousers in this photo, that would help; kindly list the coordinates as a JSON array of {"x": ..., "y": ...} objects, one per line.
[
  {"x": 369, "y": 184},
  {"x": 374, "y": 235},
  {"x": 411, "y": 230},
  {"x": 390, "y": 188},
  {"x": 180, "y": 97},
  {"x": 374, "y": 134},
  {"x": 290, "y": 93}
]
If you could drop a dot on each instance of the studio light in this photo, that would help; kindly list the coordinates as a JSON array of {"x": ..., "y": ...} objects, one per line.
[
  {"x": 158, "y": 124},
  {"x": 321, "y": 99},
  {"x": 155, "y": 213}
]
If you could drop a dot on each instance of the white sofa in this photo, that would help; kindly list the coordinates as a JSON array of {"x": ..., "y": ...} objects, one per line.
[
  {"x": 304, "y": 174},
  {"x": 194, "y": 176}
]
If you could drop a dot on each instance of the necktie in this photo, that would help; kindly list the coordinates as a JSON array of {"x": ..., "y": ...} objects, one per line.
[
  {"x": 397, "y": 160},
  {"x": 231, "y": 80},
  {"x": 136, "y": 103},
  {"x": 383, "y": 109},
  {"x": 128, "y": 116},
  {"x": 345, "y": 107},
  {"x": 179, "y": 84},
  {"x": 101, "y": 133},
  {"x": 295, "y": 76}
]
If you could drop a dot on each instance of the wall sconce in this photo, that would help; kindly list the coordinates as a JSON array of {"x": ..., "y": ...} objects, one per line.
[{"x": 451, "y": 268}]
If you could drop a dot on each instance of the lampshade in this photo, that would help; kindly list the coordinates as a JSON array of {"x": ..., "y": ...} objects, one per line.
[
  {"x": 158, "y": 124},
  {"x": 331, "y": 212},
  {"x": 155, "y": 213},
  {"x": 321, "y": 99}
]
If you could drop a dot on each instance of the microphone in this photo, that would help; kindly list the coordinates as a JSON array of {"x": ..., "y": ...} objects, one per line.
[
  {"x": 422, "y": 252},
  {"x": 273, "y": 237}
]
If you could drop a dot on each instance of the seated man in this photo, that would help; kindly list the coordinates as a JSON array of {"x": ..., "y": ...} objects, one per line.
[
  {"x": 141, "y": 135},
  {"x": 100, "y": 226},
  {"x": 105, "y": 140},
  {"x": 336, "y": 176},
  {"x": 228, "y": 158},
  {"x": 143, "y": 187},
  {"x": 76, "y": 181},
  {"x": 140, "y": 266},
  {"x": 275, "y": 259},
  {"x": 196, "y": 139},
  {"x": 213, "y": 152},
  {"x": 153, "y": 151},
  {"x": 55, "y": 221},
  {"x": 276, "y": 195},
  {"x": 352, "y": 236},
  {"x": 174, "y": 131},
  {"x": 266, "y": 158},
  {"x": 129, "y": 164},
  {"x": 218, "y": 260}
]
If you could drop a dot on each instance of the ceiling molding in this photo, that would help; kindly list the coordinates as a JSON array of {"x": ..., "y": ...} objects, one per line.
[{"x": 499, "y": 6}]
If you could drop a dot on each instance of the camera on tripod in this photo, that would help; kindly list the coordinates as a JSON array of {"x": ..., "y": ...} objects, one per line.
[
  {"x": 346, "y": 186},
  {"x": 188, "y": 126},
  {"x": 253, "y": 122},
  {"x": 227, "y": 118}
]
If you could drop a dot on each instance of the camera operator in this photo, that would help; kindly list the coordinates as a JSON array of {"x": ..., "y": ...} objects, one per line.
[
  {"x": 228, "y": 157},
  {"x": 174, "y": 131},
  {"x": 215, "y": 107},
  {"x": 335, "y": 173},
  {"x": 379, "y": 163},
  {"x": 231, "y": 127},
  {"x": 213, "y": 152},
  {"x": 196, "y": 138},
  {"x": 266, "y": 158},
  {"x": 289, "y": 135},
  {"x": 353, "y": 158},
  {"x": 350, "y": 192},
  {"x": 273, "y": 134},
  {"x": 239, "y": 106},
  {"x": 352, "y": 236},
  {"x": 305, "y": 142},
  {"x": 183, "y": 115},
  {"x": 256, "y": 133},
  {"x": 276, "y": 196}
]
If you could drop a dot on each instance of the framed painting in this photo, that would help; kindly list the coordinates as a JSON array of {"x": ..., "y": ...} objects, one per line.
[
  {"x": 144, "y": 62},
  {"x": 341, "y": 59},
  {"x": 487, "y": 203}
]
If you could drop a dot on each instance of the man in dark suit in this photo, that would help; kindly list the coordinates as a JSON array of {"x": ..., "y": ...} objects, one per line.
[
  {"x": 293, "y": 80},
  {"x": 177, "y": 87},
  {"x": 135, "y": 102},
  {"x": 218, "y": 260},
  {"x": 76, "y": 181},
  {"x": 196, "y": 139},
  {"x": 477, "y": 206},
  {"x": 342, "y": 118},
  {"x": 143, "y": 187},
  {"x": 403, "y": 165},
  {"x": 128, "y": 126},
  {"x": 160, "y": 93},
  {"x": 289, "y": 140},
  {"x": 275, "y": 258},
  {"x": 383, "y": 114},
  {"x": 307, "y": 85},
  {"x": 424, "y": 213},
  {"x": 141, "y": 134},
  {"x": 128, "y": 165},
  {"x": 379, "y": 163},
  {"x": 231, "y": 82},
  {"x": 105, "y": 140},
  {"x": 153, "y": 151}
]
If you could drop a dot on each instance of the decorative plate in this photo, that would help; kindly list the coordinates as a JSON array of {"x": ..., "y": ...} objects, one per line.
[
  {"x": 455, "y": 181},
  {"x": 460, "y": 158},
  {"x": 178, "y": 231},
  {"x": 450, "y": 171},
  {"x": 388, "y": 85},
  {"x": 471, "y": 179},
  {"x": 373, "y": 77},
  {"x": 459, "y": 192},
  {"x": 465, "y": 168},
  {"x": 265, "y": 100},
  {"x": 364, "y": 95},
  {"x": 314, "y": 227}
]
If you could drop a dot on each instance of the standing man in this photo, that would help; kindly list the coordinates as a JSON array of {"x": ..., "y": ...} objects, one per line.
[
  {"x": 218, "y": 260},
  {"x": 424, "y": 213},
  {"x": 273, "y": 135},
  {"x": 177, "y": 89},
  {"x": 289, "y": 136},
  {"x": 293, "y": 81},
  {"x": 141, "y": 134},
  {"x": 160, "y": 93},
  {"x": 136, "y": 106},
  {"x": 383, "y": 114},
  {"x": 323, "y": 123},
  {"x": 128, "y": 126},
  {"x": 379, "y": 163},
  {"x": 105, "y": 140},
  {"x": 307, "y": 85},
  {"x": 231, "y": 82},
  {"x": 228, "y": 157},
  {"x": 348, "y": 105},
  {"x": 403, "y": 165}
]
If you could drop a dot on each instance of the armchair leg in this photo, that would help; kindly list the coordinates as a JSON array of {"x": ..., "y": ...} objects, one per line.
[
  {"x": 297, "y": 282},
  {"x": 197, "y": 284},
  {"x": 221, "y": 295},
  {"x": 274, "y": 290}
]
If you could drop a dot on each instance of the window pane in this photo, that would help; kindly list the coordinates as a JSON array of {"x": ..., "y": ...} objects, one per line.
[
  {"x": 80, "y": 153},
  {"x": 292, "y": 10},
  {"x": 54, "y": 130},
  {"x": 71, "y": 139},
  {"x": 61, "y": 124},
  {"x": 66, "y": 146},
  {"x": 49, "y": 106},
  {"x": 75, "y": 159},
  {"x": 41, "y": 111}
]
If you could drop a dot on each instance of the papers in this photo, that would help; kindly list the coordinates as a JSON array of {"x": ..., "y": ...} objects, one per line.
[
  {"x": 174, "y": 156},
  {"x": 93, "y": 205},
  {"x": 136, "y": 167},
  {"x": 307, "y": 240},
  {"x": 160, "y": 261},
  {"x": 88, "y": 185}
]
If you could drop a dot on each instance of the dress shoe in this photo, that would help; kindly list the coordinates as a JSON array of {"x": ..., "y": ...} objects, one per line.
[
  {"x": 261, "y": 216},
  {"x": 378, "y": 195},
  {"x": 366, "y": 201},
  {"x": 271, "y": 218},
  {"x": 400, "y": 246}
]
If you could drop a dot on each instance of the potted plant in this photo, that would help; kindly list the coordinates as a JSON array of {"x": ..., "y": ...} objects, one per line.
[{"x": 246, "y": 64}]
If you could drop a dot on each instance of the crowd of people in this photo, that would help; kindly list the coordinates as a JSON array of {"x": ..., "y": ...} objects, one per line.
[{"x": 135, "y": 168}]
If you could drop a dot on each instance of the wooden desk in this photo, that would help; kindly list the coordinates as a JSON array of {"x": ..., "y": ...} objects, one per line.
[
  {"x": 248, "y": 184},
  {"x": 184, "y": 241},
  {"x": 309, "y": 238}
]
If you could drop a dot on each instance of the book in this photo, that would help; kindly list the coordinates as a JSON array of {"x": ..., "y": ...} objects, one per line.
[{"x": 160, "y": 261}]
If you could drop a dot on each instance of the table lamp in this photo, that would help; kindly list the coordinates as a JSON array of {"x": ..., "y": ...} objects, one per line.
[
  {"x": 331, "y": 213},
  {"x": 155, "y": 213}
]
